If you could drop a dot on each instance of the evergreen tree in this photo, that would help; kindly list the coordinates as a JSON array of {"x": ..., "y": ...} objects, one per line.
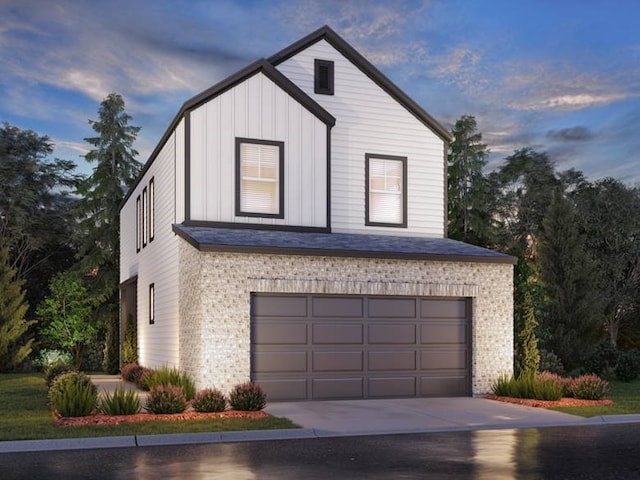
[
  {"x": 14, "y": 346},
  {"x": 469, "y": 218},
  {"x": 527, "y": 356},
  {"x": 573, "y": 320},
  {"x": 115, "y": 171}
]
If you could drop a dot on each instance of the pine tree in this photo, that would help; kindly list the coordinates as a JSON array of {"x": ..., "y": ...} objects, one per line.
[
  {"x": 527, "y": 358},
  {"x": 102, "y": 193},
  {"x": 14, "y": 346}
]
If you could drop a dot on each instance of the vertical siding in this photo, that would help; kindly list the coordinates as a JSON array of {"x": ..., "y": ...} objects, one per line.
[
  {"x": 257, "y": 108},
  {"x": 156, "y": 263},
  {"x": 368, "y": 120}
]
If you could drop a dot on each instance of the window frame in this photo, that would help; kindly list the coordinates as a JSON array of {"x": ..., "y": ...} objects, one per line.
[
  {"x": 151, "y": 210},
  {"x": 238, "y": 174},
  {"x": 318, "y": 65},
  {"x": 138, "y": 224},
  {"x": 152, "y": 303},
  {"x": 403, "y": 161},
  {"x": 145, "y": 217}
]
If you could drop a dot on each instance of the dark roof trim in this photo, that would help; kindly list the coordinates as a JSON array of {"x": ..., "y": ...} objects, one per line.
[
  {"x": 319, "y": 252},
  {"x": 367, "y": 68},
  {"x": 259, "y": 66},
  {"x": 254, "y": 226}
]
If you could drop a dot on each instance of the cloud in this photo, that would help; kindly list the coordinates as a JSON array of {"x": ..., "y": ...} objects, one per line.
[
  {"x": 577, "y": 101},
  {"x": 578, "y": 133}
]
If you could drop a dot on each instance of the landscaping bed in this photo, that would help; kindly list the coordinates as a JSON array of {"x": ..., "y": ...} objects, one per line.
[
  {"x": 102, "y": 419},
  {"x": 563, "y": 402}
]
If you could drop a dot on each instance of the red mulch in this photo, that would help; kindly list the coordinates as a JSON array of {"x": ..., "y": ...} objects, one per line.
[
  {"x": 102, "y": 419},
  {"x": 563, "y": 402}
]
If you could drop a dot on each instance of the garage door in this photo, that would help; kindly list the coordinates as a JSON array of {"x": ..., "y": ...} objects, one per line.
[{"x": 312, "y": 347}]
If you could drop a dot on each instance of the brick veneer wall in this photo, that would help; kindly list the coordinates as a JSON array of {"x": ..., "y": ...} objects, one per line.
[{"x": 215, "y": 293}]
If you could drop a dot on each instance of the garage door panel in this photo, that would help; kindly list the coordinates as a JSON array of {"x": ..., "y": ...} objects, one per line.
[
  {"x": 337, "y": 361},
  {"x": 285, "y": 389},
  {"x": 279, "y": 306},
  {"x": 288, "y": 333},
  {"x": 276, "y": 362},
  {"x": 443, "y": 359},
  {"x": 392, "y": 307},
  {"x": 337, "y": 388},
  {"x": 331, "y": 334},
  {"x": 389, "y": 333},
  {"x": 434, "y": 333},
  {"x": 392, "y": 387},
  {"x": 392, "y": 360},
  {"x": 339, "y": 307},
  {"x": 443, "y": 308},
  {"x": 452, "y": 386}
]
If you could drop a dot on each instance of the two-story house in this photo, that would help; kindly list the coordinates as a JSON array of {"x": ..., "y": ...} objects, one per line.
[{"x": 290, "y": 229}]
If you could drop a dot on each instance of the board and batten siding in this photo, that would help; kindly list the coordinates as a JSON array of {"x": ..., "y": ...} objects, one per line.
[
  {"x": 156, "y": 263},
  {"x": 369, "y": 120},
  {"x": 257, "y": 109}
]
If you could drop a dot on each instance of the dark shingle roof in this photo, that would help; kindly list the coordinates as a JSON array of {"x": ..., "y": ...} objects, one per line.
[{"x": 335, "y": 244}]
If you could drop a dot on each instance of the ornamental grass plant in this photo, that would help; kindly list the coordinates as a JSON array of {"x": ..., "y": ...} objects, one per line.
[
  {"x": 121, "y": 402},
  {"x": 73, "y": 395}
]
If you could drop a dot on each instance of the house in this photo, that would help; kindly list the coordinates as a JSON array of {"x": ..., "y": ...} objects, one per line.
[{"x": 290, "y": 229}]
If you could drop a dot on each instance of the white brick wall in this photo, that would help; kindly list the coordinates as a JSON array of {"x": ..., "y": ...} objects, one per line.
[{"x": 215, "y": 293}]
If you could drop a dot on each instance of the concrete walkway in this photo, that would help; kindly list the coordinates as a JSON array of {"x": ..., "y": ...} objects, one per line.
[{"x": 344, "y": 418}]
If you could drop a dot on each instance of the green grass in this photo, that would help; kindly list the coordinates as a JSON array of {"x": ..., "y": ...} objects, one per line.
[
  {"x": 626, "y": 398},
  {"x": 25, "y": 415}
]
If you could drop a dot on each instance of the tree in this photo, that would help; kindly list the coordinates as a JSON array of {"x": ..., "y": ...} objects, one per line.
[
  {"x": 610, "y": 214},
  {"x": 527, "y": 356},
  {"x": 469, "y": 218},
  {"x": 14, "y": 346},
  {"x": 115, "y": 171},
  {"x": 573, "y": 320},
  {"x": 35, "y": 219},
  {"x": 65, "y": 316}
]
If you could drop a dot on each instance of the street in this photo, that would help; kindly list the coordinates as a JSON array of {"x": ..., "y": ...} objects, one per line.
[{"x": 589, "y": 452}]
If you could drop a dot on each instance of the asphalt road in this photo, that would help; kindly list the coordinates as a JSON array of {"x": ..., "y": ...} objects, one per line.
[{"x": 586, "y": 452}]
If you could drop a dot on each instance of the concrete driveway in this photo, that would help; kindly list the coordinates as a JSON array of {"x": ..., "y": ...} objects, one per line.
[{"x": 367, "y": 417}]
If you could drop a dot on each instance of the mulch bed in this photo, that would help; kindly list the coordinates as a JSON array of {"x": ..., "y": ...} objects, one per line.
[
  {"x": 102, "y": 419},
  {"x": 563, "y": 402}
]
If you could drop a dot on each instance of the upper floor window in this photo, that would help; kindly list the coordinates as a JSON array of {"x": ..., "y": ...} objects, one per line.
[
  {"x": 138, "y": 224},
  {"x": 323, "y": 77},
  {"x": 259, "y": 178},
  {"x": 151, "y": 218},
  {"x": 385, "y": 190},
  {"x": 145, "y": 217},
  {"x": 152, "y": 303}
]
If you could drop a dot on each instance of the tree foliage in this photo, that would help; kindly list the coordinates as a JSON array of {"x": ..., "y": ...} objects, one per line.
[
  {"x": 66, "y": 316},
  {"x": 15, "y": 347},
  {"x": 116, "y": 168},
  {"x": 527, "y": 356}
]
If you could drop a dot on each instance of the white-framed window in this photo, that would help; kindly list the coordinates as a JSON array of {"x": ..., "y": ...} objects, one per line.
[
  {"x": 385, "y": 190},
  {"x": 152, "y": 201},
  {"x": 139, "y": 221},
  {"x": 259, "y": 178},
  {"x": 152, "y": 303}
]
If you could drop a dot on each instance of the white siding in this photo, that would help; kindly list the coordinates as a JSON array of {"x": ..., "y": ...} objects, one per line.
[
  {"x": 156, "y": 263},
  {"x": 258, "y": 109},
  {"x": 369, "y": 120}
]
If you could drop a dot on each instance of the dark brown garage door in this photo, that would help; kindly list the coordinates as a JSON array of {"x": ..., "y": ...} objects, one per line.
[{"x": 312, "y": 347}]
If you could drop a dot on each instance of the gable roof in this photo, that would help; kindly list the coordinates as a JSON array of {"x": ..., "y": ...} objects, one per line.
[
  {"x": 211, "y": 239},
  {"x": 335, "y": 40}
]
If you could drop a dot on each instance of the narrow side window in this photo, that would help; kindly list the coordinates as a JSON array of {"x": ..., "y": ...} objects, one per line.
[
  {"x": 145, "y": 214},
  {"x": 152, "y": 226},
  {"x": 138, "y": 224},
  {"x": 323, "y": 77},
  {"x": 152, "y": 304}
]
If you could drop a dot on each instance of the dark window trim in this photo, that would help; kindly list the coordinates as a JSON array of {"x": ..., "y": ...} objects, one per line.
[
  {"x": 318, "y": 86},
  {"x": 138, "y": 220},
  {"x": 238, "y": 174},
  {"x": 368, "y": 157},
  {"x": 152, "y": 303},
  {"x": 145, "y": 214},
  {"x": 152, "y": 209}
]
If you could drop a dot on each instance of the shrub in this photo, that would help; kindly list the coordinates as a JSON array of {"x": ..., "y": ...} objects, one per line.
[
  {"x": 131, "y": 372},
  {"x": 166, "y": 376},
  {"x": 501, "y": 387},
  {"x": 550, "y": 362},
  {"x": 143, "y": 377},
  {"x": 209, "y": 400},
  {"x": 166, "y": 399},
  {"x": 628, "y": 366},
  {"x": 247, "y": 397},
  {"x": 562, "y": 382},
  {"x": 56, "y": 369},
  {"x": 73, "y": 395},
  {"x": 528, "y": 386},
  {"x": 603, "y": 360},
  {"x": 122, "y": 402},
  {"x": 588, "y": 387}
]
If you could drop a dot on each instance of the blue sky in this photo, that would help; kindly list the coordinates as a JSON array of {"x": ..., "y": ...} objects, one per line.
[{"x": 560, "y": 76}]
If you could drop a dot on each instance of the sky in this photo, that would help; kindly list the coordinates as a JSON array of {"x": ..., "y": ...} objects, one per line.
[{"x": 558, "y": 76}]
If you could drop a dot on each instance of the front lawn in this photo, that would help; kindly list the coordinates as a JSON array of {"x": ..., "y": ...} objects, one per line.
[
  {"x": 25, "y": 415},
  {"x": 625, "y": 396}
]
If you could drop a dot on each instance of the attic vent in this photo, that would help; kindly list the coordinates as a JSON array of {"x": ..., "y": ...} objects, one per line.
[{"x": 323, "y": 82}]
